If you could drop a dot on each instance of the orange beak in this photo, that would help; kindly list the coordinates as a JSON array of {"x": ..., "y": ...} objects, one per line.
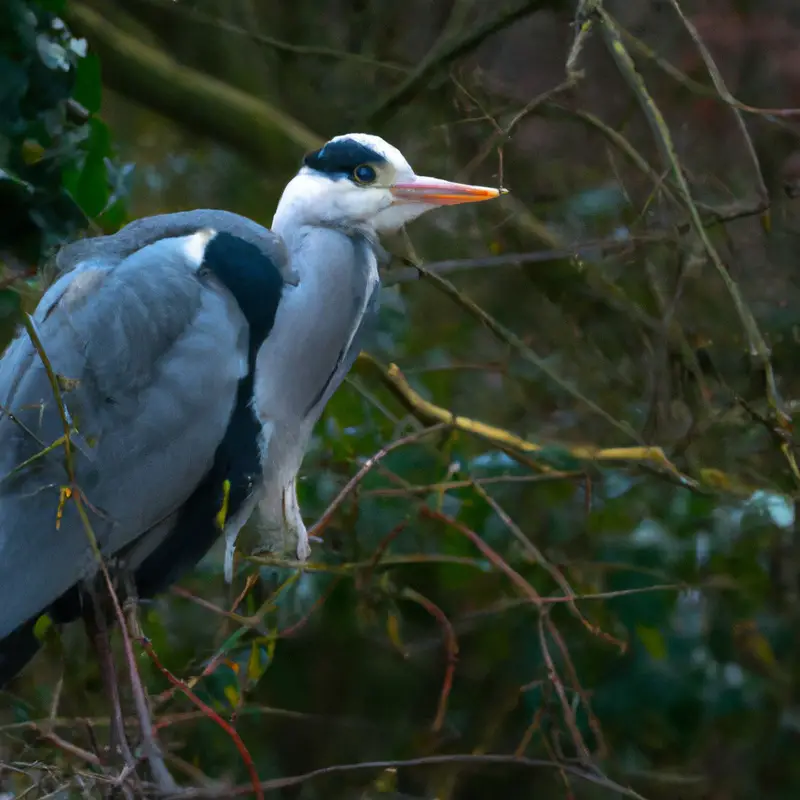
[{"x": 436, "y": 192}]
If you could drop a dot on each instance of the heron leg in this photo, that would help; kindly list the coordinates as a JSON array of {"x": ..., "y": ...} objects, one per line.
[
  {"x": 281, "y": 523},
  {"x": 150, "y": 744},
  {"x": 231, "y": 534},
  {"x": 94, "y": 621},
  {"x": 294, "y": 521}
]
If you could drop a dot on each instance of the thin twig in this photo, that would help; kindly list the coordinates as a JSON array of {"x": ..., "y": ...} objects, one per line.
[
  {"x": 552, "y": 571},
  {"x": 158, "y": 768},
  {"x": 700, "y": 88},
  {"x": 397, "y": 275},
  {"x": 325, "y": 519},
  {"x": 475, "y": 760},
  {"x": 30, "y": 327},
  {"x": 436, "y": 61},
  {"x": 759, "y": 349},
  {"x": 68, "y": 747},
  {"x": 506, "y": 336},
  {"x": 722, "y": 89},
  {"x": 545, "y": 622},
  {"x": 212, "y": 715},
  {"x": 270, "y": 41},
  {"x": 451, "y": 650}
]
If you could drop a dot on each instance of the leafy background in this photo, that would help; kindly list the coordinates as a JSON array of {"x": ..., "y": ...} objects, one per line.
[{"x": 592, "y": 572}]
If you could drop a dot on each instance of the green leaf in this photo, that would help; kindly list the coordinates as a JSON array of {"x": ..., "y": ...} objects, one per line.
[
  {"x": 259, "y": 659},
  {"x": 13, "y": 86},
  {"x": 221, "y": 689},
  {"x": 91, "y": 191},
  {"x": 653, "y": 641},
  {"x": 88, "y": 85},
  {"x": 54, "y": 6},
  {"x": 9, "y": 303}
]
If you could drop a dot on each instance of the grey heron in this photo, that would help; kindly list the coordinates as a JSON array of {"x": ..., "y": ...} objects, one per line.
[{"x": 195, "y": 351}]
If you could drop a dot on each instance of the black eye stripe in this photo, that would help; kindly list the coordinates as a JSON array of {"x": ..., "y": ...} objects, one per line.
[{"x": 342, "y": 157}]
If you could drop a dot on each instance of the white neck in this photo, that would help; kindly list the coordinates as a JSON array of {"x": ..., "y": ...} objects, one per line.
[
  {"x": 317, "y": 201},
  {"x": 289, "y": 213}
]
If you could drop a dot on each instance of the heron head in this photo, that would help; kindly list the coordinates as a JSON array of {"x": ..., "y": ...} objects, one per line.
[{"x": 361, "y": 181}]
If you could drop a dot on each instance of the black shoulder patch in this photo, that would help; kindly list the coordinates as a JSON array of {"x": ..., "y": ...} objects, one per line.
[
  {"x": 342, "y": 157},
  {"x": 251, "y": 277},
  {"x": 256, "y": 285}
]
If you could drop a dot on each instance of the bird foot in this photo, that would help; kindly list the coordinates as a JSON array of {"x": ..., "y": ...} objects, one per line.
[
  {"x": 230, "y": 551},
  {"x": 303, "y": 545},
  {"x": 294, "y": 524},
  {"x": 284, "y": 539},
  {"x": 285, "y": 530}
]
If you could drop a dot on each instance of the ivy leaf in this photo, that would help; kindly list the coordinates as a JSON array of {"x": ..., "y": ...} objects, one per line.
[
  {"x": 13, "y": 86},
  {"x": 92, "y": 190},
  {"x": 10, "y": 303},
  {"x": 53, "y": 6},
  {"x": 88, "y": 85},
  {"x": 653, "y": 641}
]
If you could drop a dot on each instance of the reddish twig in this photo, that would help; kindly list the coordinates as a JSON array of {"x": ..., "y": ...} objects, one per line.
[
  {"x": 251, "y": 581},
  {"x": 558, "y": 685},
  {"x": 451, "y": 647},
  {"x": 325, "y": 519},
  {"x": 594, "y": 723},
  {"x": 253, "y": 621},
  {"x": 68, "y": 747},
  {"x": 487, "y": 551},
  {"x": 551, "y": 570},
  {"x": 178, "y": 591},
  {"x": 537, "y": 600},
  {"x": 382, "y": 547},
  {"x": 529, "y": 731},
  {"x": 213, "y": 663},
  {"x": 210, "y": 714},
  {"x": 550, "y": 749},
  {"x": 318, "y": 603}
]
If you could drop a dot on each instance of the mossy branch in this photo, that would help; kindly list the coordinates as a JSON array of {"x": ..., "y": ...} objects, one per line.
[
  {"x": 431, "y": 414},
  {"x": 708, "y": 479},
  {"x": 147, "y": 76}
]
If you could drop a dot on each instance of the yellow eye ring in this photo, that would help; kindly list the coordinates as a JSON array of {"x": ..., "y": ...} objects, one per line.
[{"x": 364, "y": 174}]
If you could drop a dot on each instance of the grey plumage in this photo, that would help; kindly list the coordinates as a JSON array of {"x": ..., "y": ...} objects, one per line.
[
  {"x": 149, "y": 230},
  {"x": 321, "y": 354},
  {"x": 148, "y": 356},
  {"x": 196, "y": 351},
  {"x": 154, "y": 351}
]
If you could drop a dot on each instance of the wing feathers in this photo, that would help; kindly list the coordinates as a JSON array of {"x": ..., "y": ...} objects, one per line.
[{"x": 154, "y": 355}]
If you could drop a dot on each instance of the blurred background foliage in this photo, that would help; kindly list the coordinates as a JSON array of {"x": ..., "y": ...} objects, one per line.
[{"x": 605, "y": 582}]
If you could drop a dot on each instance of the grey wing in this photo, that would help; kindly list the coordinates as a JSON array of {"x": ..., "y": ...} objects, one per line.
[
  {"x": 366, "y": 294},
  {"x": 148, "y": 356},
  {"x": 364, "y": 328},
  {"x": 365, "y": 299}
]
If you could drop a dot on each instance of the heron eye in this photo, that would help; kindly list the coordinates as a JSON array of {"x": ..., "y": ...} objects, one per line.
[{"x": 364, "y": 174}]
